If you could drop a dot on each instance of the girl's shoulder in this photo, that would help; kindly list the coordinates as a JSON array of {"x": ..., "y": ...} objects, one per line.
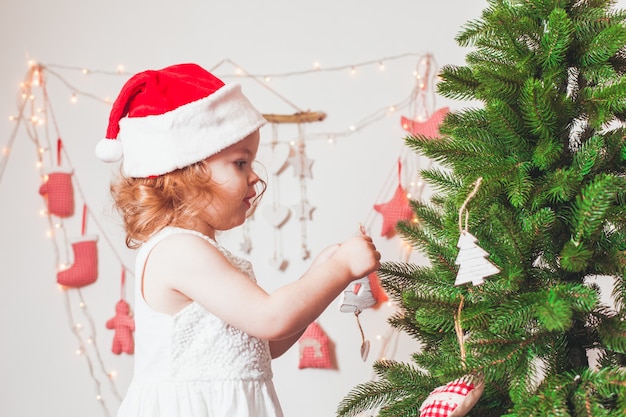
[{"x": 187, "y": 245}]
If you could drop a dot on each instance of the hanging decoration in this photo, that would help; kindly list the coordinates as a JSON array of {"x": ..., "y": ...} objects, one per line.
[
  {"x": 356, "y": 298},
  {"x": 378, "y": 292},
  {"x": 455, "y": 399},
  {"x": 428, "y": 128},
  {"x": 472, "y": 259},
  {"x": 422, "y": 120},
  {"x": 395, "y": 210},
  {"x": 123, "y": 324},
  {"x": 314, "y": 346},
  {"x": 60, "y": 187},
  {"x": 57, "y": 188},
  {"x": 84, "y": 269},
  {"x": 277, "y": 214},
  {"x": 295, "y": 156}
]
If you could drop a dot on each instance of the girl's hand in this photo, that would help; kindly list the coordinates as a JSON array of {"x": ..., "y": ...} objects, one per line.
[{"x": 359, "y": 255}]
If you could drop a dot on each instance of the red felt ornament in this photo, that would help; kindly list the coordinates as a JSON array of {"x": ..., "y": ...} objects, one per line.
[
  {"x": 124, "y": 325},
  {"x": 377, "y": 290},
  {"x": 314, "y": 348},
  {"x": 428, "y": 128},
  {"x": 395, "y": 210},
  {"x": 454, "y": 399},
  {"x": 57, "y": 190},
  {"x": 84, "y": 269}
]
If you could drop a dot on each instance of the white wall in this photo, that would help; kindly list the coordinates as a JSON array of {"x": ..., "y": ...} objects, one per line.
[{"x": 40, "y": 373}]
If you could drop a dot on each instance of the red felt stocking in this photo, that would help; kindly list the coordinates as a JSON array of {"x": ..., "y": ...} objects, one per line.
[
  {"x": 84, "y": 270},
  {"x": 59, "y": 194}
]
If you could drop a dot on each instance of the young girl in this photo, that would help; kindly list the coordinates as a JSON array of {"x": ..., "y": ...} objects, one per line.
[{"x": 205, "y": 331}]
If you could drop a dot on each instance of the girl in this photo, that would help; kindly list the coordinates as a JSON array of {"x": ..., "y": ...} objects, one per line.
[{"x": 205, "y": 331}]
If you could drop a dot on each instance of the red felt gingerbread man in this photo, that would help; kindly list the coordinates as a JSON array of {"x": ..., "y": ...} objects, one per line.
[{"x": 124, "y": 325}]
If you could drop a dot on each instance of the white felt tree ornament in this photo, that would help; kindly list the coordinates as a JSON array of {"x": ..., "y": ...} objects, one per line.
[{"x": 472, "y": 261}]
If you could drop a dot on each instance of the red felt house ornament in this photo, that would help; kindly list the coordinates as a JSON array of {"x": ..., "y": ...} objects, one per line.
[{"x": 314, "y": 348}]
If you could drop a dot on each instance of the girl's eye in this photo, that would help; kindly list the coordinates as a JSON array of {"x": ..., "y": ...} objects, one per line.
[{"x": 241, "y": 164}]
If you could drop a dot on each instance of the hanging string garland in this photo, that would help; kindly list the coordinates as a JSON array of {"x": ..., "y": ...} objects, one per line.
[
  {"x": 295, "y": 156},
  {"x": 277, "y": 214},
  {"x": 423, "y": 119},
  {"x": 76, "y": 258}
]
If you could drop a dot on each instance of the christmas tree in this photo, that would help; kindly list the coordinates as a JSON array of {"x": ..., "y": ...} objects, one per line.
[{"x": 544, "y": 134}]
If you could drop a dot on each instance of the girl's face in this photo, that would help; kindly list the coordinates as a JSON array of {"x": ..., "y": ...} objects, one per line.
[{"x": 232, "y": 184}]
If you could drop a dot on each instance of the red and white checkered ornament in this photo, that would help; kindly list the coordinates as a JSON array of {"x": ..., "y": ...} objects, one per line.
[
  {"x": 314, "y": 348},
  {"x": 454, "y": 399}
]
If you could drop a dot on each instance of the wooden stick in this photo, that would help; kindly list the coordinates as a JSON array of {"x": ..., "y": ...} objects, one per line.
[{"x": 300, "y": 117}]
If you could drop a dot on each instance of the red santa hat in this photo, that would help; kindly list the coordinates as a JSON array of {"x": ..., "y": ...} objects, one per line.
[{"x": 167, "y": 119}]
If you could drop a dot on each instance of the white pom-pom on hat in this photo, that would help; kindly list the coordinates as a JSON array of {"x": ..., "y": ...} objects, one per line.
[
  {"x": 167, "y": 119},
  {"x": 109, "y": 150}
]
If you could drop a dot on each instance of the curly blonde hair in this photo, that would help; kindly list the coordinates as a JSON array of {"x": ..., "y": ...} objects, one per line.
[{"x": 147, "y": 205}]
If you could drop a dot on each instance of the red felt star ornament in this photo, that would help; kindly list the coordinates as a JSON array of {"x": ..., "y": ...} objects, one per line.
[
  {"x": 428, "y": 128},
  {"x": 395, "y": 210}
]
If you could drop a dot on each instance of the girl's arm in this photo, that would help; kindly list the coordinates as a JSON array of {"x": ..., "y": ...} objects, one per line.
[
  {"x": 185, "y": 267},
  {"x": 278, "y": 347}
]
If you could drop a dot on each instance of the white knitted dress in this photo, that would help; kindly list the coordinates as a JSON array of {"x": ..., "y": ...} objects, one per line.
[{"x": 193, "y": 364}]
